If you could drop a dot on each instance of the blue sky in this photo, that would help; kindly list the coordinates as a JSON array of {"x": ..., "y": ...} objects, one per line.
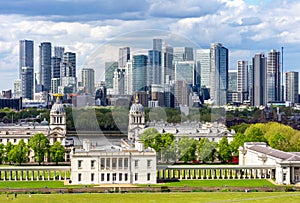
[{"x": 94, "y": 29}]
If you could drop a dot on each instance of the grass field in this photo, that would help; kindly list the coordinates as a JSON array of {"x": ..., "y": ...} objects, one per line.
[{"x": 263, "y": 197}]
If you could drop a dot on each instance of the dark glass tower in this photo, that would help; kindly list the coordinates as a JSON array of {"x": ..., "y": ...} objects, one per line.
[{"x": 45, "y": 65}]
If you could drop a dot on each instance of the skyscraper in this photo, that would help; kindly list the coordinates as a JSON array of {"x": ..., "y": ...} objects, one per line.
[
  {"x": 139, "y": 72},
  {"x": 26, "y": 73},
  {"x": 184, "y": 70},
  {"x": 154, "y": 68},
  {"x": 167, "y": 70},
  {"x": 242, "y": 81},
  {"x": 55, "y": 67},
  {"x": 124, "y": 56},
  {"x": 45, "y": 65},
  {"x": 219, "y": 74},
  {"x": 68, "y": 65},
  {"x": 259, "y": 89},
  {"x": 110, "y": 68},
  {"x": 273, "y": 76},
  {"x": 203, "y": 57},
  {"x": 88, "y": 80},
  {"x": 232, "y": 95},
  {"x": 292, "y": 86},
  {"x": 183, "y": 54},
  {"x": 59, "y": 52},
  {"x": 25, "y": 55}
]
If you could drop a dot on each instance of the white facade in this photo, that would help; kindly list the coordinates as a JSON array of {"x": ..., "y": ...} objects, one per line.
[{"x": 286, "y": 165}]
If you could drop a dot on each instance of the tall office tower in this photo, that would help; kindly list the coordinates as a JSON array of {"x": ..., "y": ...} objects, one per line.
[
  {"x": 59, "y": 52},
  {"x": 119, "y": 82},
  {"x": 232, "y": 86},
  {"x": 27, "y": 82},
  {"x": 55, "y": 83},
  {"x": 185, "y": 70},
  {"x": 181, "y": 92},
  {"x": 167, "y": 70},
  {"x": 45, "y": 65},
  {"x": 128, "y": 78},
  {"x": 154, "y": 68},
  {"x": 259, "y": 88},
  {"x": 17, "y": 88},
  {"x": 183, "y": 54},
  {"x": 110, "y": 68},
  {"x": 250, "y": 82},
  {"x": 88, "y": 80},
  {"x": 68, "y": 65},
  {"x": 273, "y": 76},
  {"x": 25, "y": 55},
  {"x": 242, "y": 81},
  {"x": 292, "y": 86},
  {"x": 219, "y": 74},
  {"x": 55, "y": 67},
  {"x": 124, "y": 56},
  {"x": 139, "y": 72},
  {"x": 203, "y": 58}
]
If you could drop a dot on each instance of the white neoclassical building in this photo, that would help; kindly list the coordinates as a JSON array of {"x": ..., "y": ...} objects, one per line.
[
  {"x": 285, "y": 166},
  {"x": 128, "y": 163}
]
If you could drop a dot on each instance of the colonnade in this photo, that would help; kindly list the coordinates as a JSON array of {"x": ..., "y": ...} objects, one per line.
[
  {"x": 215, "y": 172},
  {"x": 34, "y": 173}
]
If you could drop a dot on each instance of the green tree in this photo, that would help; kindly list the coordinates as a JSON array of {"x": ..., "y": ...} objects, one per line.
[
  {"x": 8, "y": 147},
  {"x": 151, "y": 138},
  {"x": 169, "y": 153},
  {"x": 225, "y": 153},
  {"x": 207, "y": 151},
  {"x": 39, "y": 143},
  {"x": 238, "y": 141},
  {"x": 2, "y": 152},
  {"x": 278, "y": 141},
  {"x": 19, "y": 153},
  {"x": 254, "y": 134},
  {"x": 57, "y": 152},
  {"x": 187, "y": 149}
]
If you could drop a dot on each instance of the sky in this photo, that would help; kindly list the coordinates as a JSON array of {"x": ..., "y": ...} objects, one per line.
[{"x": 95, "y": 29}]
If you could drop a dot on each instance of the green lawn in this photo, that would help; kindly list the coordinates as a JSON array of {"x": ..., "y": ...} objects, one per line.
[
  {"x": 220, "y": 183},
  {"x": 35, "y": 184},
  {"x": 261, "y": 197}
]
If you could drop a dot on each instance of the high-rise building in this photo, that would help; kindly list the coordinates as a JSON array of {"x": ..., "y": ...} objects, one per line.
[
  {"x": 45, "y": 65},
  {"x": 183, "y": 54},
  {"x": 154, "y": 68},
  {"x": 185, "y": 70},
  {"x": 55, "y": 83},
  {"x": 167, "y": 70},
  {"x": 250, "y": 82},
  {"x": 59, "y": 52},
  {"x": 88, "y": 80},
  {"x": 55, "y": 67},
  {"x": 203, "y": 58},
  {"x": 292, "y": 86},
  {"x": 219, "y": 74},
  {"x": 242, "y": 81},
  {"x": 27, "y": 82},
  {"x": 232, "y": 95},
  {"x": 110, "y": 68},
  {"x": 119, "y": 82},
  {"x": 139, "y": 72},
  {"x": 124, "y": 56},
  {"x": 25, "y": 55},
  {"x": 181, "y": 93},
  {"x": 273, "y": 76},
  {"x": 17, "y": 88},
  {"x": 68, "y": 65},
  {"x": 259, "y": 88}
]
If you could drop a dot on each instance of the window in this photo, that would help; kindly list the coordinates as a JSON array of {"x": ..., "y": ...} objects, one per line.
[
  {"x": 102, "y": 177},
  {"x": 107, "y": 163},
  {"x": 80, "y": 164},
  {"x": 148, "y": 176},
  {"x": 148, "y": 163},
  {"x": 0, "y": 140},
  {"x": 120, "y": 176},
  {"x": 136, "y": 177},
  {"x": 120, "y": 163},
  {"x": 93, "y": 164},
  {"x": 125, "y": 163},
  {"x": 125, "y": 176},
  {"x": 102, "y": 163},
  {"x": 15, "y": 140},
  {"x": 79, "y": 177},
  {"x": 136, "y": 163},
  {"x": 114, "y": 176},
  {"x": 108, "y": 177},
  {"x": 7, "y": 140},
  {"x": 92, "y": 177},
  {"x": 114, "y": 163}
]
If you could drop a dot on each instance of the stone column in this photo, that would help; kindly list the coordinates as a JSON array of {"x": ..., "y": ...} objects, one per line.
[
  {"x": 10, "y": 175},
  {"x": 59, "y": 175},
  {"x": 26, "y": 175}
]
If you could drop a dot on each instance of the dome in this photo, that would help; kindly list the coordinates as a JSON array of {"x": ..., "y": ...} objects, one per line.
[
  {"x": 57, "y": 108},
  {"x": 44, "y": 122},
  {"x": 136, "y": 108}
]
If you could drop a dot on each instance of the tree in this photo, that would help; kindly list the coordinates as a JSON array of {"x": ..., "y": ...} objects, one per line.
[
  {"x": 207, "y": 151},
  {"x": 254, "y": 134},
  {"x": 169, "y": 153},
  {"x": 8, "y": 148},
  {"x": 187, "y": 149},
  {"x": 238, "y": 141},
  {"x": 151, "y": 137},
  {"x": 2, "y": 152},
  {"x": 278, "y": 141},
  {"x": 225, "y": 153},
  {"x": 57, "y": 152},
  {"x": 39, "y": 143},
  {"x": 19, "y": 153}
]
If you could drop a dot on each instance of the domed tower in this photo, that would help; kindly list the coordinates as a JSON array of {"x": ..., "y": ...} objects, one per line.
[
  {"x": 136, "y": 119},
  {"x": 58, "y": 126}
]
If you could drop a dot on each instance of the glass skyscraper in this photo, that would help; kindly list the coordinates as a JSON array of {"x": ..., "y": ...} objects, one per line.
[
  {"x": 292, "y": 86},
  {"x": 273, "y": 77},
  {"x": 259, "y": 89},
  {"x": 45, "y": 65},
  {"x": 139, "y": 72}
]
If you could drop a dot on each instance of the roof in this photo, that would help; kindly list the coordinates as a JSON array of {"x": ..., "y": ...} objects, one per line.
[{"x": 284, "y": 156}]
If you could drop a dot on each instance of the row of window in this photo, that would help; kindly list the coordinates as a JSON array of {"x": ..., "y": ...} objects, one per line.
[
  {"x": 113, "y": 163},
  {"x": 107, "y": 177}
]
